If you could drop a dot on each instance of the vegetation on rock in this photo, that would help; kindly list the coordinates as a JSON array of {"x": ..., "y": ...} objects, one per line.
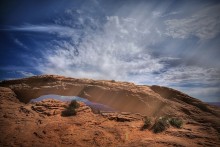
[
  {"x": 71, "y": 109},
  {"x": 161, "y": 124},
  {"x": 164, "y": 122},
  {"x": 147, "y": 123},
  {"x": 176, "y": 122}
]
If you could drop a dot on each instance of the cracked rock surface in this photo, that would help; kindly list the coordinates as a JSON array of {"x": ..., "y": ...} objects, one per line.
[{"x": 41, "y": 123}]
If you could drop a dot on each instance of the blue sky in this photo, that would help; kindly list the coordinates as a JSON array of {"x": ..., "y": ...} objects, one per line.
[{"x": 170, "y": 43}]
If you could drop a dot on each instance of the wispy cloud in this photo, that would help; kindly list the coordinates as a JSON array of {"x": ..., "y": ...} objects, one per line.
[
  {"x": 103, "y": 54},
  {"x": 14, "y": 74},
  {"x": 18, "y": 42},
  {"x": 119, "y": 50},
  {"x": 24, "y": 73},
  {"x": 190, "y": 74},
  {"x": 204, "y": 24},
  {"x": 118, "y": 45},
  {"x": 52, "y": 28},
  {"x": 40, "y": 28}
]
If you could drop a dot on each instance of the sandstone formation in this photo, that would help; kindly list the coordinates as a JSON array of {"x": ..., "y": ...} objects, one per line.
[{"x": 41, "y": 124}]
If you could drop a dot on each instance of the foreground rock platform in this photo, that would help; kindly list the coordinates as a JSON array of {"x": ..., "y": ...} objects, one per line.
[{"x": 41, "y": 124}]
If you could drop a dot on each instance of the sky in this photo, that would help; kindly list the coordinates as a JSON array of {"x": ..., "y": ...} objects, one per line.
[{"x": 172, "y": 43}]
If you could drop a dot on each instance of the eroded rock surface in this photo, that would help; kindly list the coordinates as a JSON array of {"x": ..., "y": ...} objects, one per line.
[{"x": 41, "y": 123}]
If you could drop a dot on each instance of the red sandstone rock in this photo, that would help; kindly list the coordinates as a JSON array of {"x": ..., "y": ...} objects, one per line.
[{"x": 41, "y": 123}]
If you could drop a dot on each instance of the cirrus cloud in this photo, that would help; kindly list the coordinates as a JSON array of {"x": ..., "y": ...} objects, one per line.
[
  {"x": 148, "y": 45},
  {"x": 204, "y": 24}
]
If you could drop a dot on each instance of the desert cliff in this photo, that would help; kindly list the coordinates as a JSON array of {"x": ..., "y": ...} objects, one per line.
[{"x": 25, "y": 123}]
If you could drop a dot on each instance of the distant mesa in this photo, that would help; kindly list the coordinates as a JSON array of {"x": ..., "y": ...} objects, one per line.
[{"x": 214, "y": 103}]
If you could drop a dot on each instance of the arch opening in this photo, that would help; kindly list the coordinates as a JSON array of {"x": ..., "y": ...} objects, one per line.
[{"x": 96, "y": 107}]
